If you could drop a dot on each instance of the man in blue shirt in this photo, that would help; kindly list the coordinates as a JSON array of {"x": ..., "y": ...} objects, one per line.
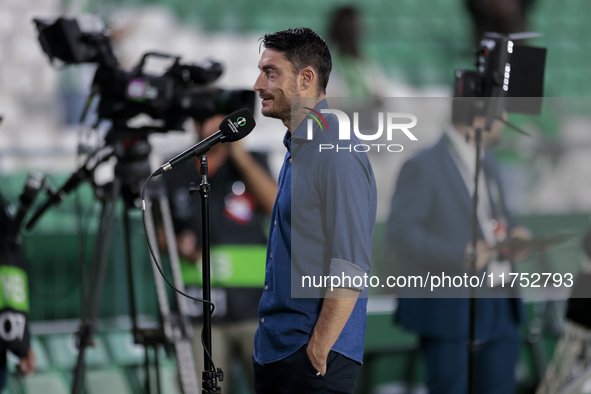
[{"x": 311, "y": 340}]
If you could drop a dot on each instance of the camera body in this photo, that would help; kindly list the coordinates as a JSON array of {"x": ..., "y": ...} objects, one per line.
[
  {"x": 168, "y": 98},
  {"x": 507, "y": 75}
]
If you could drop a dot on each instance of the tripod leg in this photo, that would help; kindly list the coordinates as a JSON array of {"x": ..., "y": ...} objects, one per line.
[
  {"x": 130, "y": 284},
  {"x": 180, "y": 335},
  {"x": 147, "y": 379},
  {"x": 174, "y": 259},
  {"x": 157, "y": 370},
  {"x": 160, "y": 289},
  {"x": 92, "y": 302},
  {"x": 184, "y": 348},
  {"x": 137, "y": 336}
]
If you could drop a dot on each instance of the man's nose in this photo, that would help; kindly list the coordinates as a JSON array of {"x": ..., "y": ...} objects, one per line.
[{"x": 258, "y": 84}]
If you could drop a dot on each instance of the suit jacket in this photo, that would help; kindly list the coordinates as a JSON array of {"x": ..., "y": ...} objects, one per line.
[{"x": 429, "y": 227}]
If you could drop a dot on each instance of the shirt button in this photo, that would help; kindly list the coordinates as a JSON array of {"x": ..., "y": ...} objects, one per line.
[
  {"x": 267, "y": 287},
  {"x": 275, "y": 223},
  {"x": 290, "y": 159},
  {"x": 271, "y": 255},
  {"x": 263, "y": 320}
]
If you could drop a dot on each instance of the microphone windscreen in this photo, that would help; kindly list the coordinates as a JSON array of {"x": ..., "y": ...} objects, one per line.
[{"x": 237, "y": 125}]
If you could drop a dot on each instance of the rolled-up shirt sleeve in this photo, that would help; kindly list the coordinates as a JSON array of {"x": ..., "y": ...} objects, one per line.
[
  {"x": 346, "y": 271},
  {"x": 347, "y": 185}
]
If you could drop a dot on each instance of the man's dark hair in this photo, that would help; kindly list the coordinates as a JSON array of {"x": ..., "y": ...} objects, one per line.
[{"x": 302, "y": 47}]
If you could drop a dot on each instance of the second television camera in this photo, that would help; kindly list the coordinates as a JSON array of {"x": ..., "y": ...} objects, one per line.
[{"x": 508, "y": 77}]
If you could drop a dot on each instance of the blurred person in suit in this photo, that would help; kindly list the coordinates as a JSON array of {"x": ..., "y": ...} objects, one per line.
[
  {"x": 430, "y": 228},
  {"x": 242, "y": 196},
  {"x": 501, "y": 16}
]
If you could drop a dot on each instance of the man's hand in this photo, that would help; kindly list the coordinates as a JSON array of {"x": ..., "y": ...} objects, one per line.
[
  {"x": 524, "y": 234},
  {"x": 28, "y": 364},
  {"x": 337, "y": 308},
  {"x": 317, "y": 356},
  {"x": 186, "y": 242},
  {"x": 483, "y": 254}
]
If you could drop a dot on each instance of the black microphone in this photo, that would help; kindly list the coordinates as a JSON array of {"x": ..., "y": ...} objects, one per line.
[
  {"x": 34, "y": 183},
  {"x": 235, "y": 126}
]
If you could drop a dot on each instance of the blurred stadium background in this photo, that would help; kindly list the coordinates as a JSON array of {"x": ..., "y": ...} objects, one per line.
[{"x": 415, "y": 45}]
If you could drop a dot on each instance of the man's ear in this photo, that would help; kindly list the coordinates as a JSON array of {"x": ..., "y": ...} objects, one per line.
[{"x": 308, "y": 78}]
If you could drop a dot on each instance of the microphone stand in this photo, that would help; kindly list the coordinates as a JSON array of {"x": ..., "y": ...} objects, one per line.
[
  {"x": 495, "y": 108},
  {"x": 496, "y": 103},
  {"x": 210, "y": 375},
  {"x": 472, "y": 256}
]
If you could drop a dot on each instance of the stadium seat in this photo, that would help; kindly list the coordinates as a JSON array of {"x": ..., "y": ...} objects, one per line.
[
  {"x": 46, "y": 383},
  {"x": 168, "y": 377},
  {"x": 123, "y": 350},
  {"x": 108, "y": 381},
  {"x": 40, "y": 354},
  {"x": 63, "y": 351}
]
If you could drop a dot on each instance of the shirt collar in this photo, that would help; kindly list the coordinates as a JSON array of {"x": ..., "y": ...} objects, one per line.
[
  {"x": 287, "y": 141},
  {"x": 465, "y": 152},
  {"x": 301, "y": 131}
]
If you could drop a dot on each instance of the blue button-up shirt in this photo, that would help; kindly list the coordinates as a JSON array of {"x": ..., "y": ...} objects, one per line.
[{"x": 322, "y": 224}]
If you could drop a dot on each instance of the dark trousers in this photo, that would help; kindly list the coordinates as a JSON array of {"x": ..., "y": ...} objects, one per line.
[
  {"x": 447, "y": 365},
  {"x": 295, "y": 374}
]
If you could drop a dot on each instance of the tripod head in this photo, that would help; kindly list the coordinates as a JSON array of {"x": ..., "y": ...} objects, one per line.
[{"x": 132, "y": 150}]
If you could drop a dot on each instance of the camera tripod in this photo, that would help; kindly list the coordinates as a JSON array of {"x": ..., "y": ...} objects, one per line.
[
  {"x": 131, "y": 169},
  {"x": 570, "y": 368}
]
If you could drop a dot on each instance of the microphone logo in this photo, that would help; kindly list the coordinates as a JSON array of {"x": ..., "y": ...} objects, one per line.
[
  {"x": 240, "y": 121},
  {"x": 237, "y": 125}
]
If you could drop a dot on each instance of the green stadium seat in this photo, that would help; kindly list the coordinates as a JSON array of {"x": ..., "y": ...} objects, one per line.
[
  {"x": 575, "y": 9},
  {"x": 63, "y": 351},
  {"x": 124, "y": 351},
  {"x": 108, "y": 381},
  {"x": 13, "y": 385},
  {"x": 46, "y": 383},
  {"x": 168, "y": 377},
  {"x": 12, "y": 185},
  {"x": 41, "y": 357}
]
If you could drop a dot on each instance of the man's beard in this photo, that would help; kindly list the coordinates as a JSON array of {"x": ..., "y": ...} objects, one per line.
[
  {"x": 282, "y": 105},
  {"x": 280, "y": 109}
]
